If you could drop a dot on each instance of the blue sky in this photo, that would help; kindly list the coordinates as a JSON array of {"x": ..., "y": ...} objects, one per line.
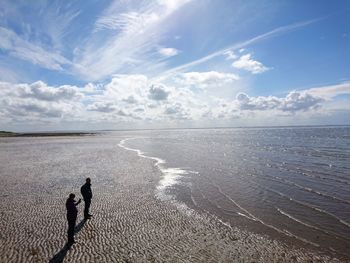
[{"x": 71, "y": 65}]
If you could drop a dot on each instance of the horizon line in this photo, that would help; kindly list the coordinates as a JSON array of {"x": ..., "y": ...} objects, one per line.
[{"x": 184, "y": 128}]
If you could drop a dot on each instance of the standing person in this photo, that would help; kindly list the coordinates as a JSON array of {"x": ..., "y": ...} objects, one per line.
[
  {"x": 87, "y": 195},
  {"x": 72, "y": 213}
]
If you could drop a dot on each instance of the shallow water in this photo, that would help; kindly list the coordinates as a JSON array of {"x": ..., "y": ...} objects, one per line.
[{"x": 289, "y": 183}]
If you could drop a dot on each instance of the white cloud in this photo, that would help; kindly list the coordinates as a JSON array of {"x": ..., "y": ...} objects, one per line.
[
  {"x": 300, "y": 101},
  {"x": 129, "y": 39},
  {"x": 168, "y": 52},
  {"x": 247, "y": 63},
  {"x": 331, "y": 91},
  {"x": 57, "y": 21},
  {"x": 102, "y": 107},
  {"x": 123, "y": 86},
  {"x": 38, "y": 101},
  {"x": 294, "y": 101},
  {"x": 239, "y": 46},
  {"x": 230, "y": 54},
  {"x": 91, "y": 88},
  {"x": 172, "y": 4},
  {"x": 177, "y": 112},
  {"x": 127, "y": 23},
  {"x": 40, "y": 91},
  {"x": 142, "y": 99},
  {"x": 22, "y": 49},
  {"x": 136, "y": 99},
  {"x": 158, "y": 93},
  {"x": 131, "y": 100},
  {"x": 206, "y": 79},
  {"x": 33, "y": 109}
]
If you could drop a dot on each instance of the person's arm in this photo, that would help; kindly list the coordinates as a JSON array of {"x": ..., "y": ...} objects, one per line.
[{"x": 78, "y": 202}]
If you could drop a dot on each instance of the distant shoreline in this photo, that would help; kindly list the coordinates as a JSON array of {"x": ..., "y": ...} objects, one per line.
[
  {"x": 44, "y": 134},
  {"x": 94, "y": 132}
]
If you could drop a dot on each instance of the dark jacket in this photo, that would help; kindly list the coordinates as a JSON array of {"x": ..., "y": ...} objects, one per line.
[
  {"x": 72, "y": 210},
  {"x": 86, "y": 191}
]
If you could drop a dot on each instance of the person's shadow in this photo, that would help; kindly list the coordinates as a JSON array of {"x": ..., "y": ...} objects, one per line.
[
  {"x": 59, "y": 257},
  {"x": 79, "y": 226}
]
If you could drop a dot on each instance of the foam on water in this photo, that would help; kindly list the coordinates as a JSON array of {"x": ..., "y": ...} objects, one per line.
[{"x": 170, "y": 176}]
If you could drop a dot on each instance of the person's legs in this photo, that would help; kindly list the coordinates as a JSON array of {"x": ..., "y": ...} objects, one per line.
[
  {"x": 86, "y": 209},
  {"x": 71, "y": 226}
]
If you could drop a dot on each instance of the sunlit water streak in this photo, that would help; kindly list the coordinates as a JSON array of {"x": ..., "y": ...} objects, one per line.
[{"x": 290, "y": 183}]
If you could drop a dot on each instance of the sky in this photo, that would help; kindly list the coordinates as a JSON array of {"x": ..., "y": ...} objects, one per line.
[{"x": 123, "y": 64}]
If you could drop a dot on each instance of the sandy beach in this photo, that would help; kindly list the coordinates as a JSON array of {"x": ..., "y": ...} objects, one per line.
[{"x": 129, "y": 223}]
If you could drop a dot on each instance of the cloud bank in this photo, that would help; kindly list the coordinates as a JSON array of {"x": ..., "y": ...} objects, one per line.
[
  {"x": 146, "y": 101},
  {"x": 293, "y": 102}
]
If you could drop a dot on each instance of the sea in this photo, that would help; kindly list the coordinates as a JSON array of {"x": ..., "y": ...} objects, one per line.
[{"x": 287, "y": 183}]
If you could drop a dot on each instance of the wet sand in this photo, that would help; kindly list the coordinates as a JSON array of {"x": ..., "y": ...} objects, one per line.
[{"x": 129, "y": 223}]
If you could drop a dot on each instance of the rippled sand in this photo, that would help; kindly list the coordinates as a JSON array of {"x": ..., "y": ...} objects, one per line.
[{"x": 129, "y": 224}]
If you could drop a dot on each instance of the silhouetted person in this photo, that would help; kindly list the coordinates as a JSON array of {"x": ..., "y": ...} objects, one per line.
[
  {"x": 72, "y": 213},
  {"x": 87, "y": 195}
]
